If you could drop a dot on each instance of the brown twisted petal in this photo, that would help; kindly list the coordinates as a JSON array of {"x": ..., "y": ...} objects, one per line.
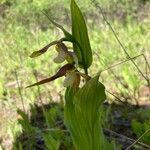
[
  {"x": 62, "y": 71},
  {"x": 43, "y": 50}
]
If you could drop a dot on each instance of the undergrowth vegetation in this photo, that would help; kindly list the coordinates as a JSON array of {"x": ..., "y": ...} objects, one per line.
[{"x": 24, "y": 29}]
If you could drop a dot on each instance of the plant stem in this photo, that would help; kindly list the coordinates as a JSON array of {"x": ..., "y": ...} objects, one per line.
[{"x": 19, "y": 90}]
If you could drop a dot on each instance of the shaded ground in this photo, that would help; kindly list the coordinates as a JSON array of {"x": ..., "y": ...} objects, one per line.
[{"x": 118, "y": 127}]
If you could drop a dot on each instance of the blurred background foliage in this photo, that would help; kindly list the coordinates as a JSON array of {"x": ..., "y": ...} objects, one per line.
[{"x": 24, "y": 29}]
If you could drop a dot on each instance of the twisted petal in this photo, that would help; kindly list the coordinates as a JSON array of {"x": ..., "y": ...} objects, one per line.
[{"x": 61, "y": 72}]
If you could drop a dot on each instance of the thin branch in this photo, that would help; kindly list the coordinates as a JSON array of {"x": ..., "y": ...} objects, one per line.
[
  {"x": 125, "y": 137},
  {"x": 120, "y": 63},
  {"x": 38, "y": 88},
  {"x": 111, "y": 71},
  {"x": 117, "y": 79},
  {"x": 19, "y": 90},
  {"x": 128, "y": 148},
  {"x": 40, "y": 97},
  {"x": 123, "y": 48},
  {"x": 117, "y": 98}
]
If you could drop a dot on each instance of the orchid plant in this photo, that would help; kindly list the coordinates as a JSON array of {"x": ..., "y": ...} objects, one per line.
[
  {"x": 82, "y": 103},
  {"x": 69, "y": 70}
]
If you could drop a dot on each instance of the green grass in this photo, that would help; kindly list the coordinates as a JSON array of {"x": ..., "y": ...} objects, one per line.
[{"x": 25, "y": 29}]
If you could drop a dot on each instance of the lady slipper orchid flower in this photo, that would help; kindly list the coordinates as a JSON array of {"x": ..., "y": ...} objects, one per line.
[{"x": 68, "y": 70}]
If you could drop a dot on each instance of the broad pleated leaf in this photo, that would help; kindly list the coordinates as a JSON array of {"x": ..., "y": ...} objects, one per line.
[
  {"x": 82, "y": 115},
  {"x": 59, "y": 74},
  {"x": 82, "y": 46}
]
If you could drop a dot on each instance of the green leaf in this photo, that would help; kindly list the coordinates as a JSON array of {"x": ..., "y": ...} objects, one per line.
[
  {"x": 24, "y": 121},
  {"x": 82, "y": 115},
  {"x": 82, "y": 46},
  {"x": 61, "y": 72},
  {"x": 50, "y": 142}
]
